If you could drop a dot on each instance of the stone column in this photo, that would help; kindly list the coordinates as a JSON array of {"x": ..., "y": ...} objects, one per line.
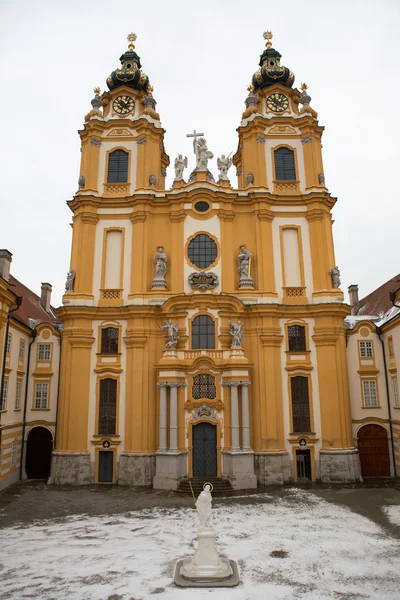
[
  {"x": 245, "y": 416},
  {"x": 234, "y": 415},
  {"x": 163, "y": 417},
  {"x": 173, "y": 417}
]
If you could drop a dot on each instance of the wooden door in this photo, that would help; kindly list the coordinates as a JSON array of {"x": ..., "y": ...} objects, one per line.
[{"x": 374, "y": 451}]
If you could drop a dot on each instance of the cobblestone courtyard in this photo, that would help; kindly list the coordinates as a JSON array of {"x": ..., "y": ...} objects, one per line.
[{"x": 115, "y": 543}]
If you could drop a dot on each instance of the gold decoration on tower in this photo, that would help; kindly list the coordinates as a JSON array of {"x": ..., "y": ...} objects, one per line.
[
  {"x": 131, "y": 38},
  {"x": 96, "y": 90},
  {"x": 304, "y": 87},
  {"x": 268, "y": 36}
]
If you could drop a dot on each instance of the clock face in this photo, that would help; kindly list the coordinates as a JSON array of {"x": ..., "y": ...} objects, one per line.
[
  {"x": 277, "y": 102},
  {"x": 123, "y": 105}
]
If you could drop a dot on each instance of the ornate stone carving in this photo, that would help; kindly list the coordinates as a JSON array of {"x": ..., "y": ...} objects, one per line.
[
  {"x": 204, "y": 412},
  {"x": 81, "y": 181},
  {"x": 152, "y": 180},
  {"x": 335, "y": 274},
  {"x": 150, "y": 106},
  {"x": 236, "y": 331},
  {"x": 70, "y": 282},
  {"x": 95, "y": 142},
  {"x": 238, "y": 172},
  {"x": 203, "y": 280},
  {"x": 224, "y": 164},
  {"x": 260, "y": 139},
  {"x": 249, "y": 178},
  {"x": 306, "y": 139},
  {"x": 179, "y": 165},
  {"x": 244, "y": 261},
  {"x": 172, "y": 331},
  {"x": 321, "y": 178},
  {"x": 141, "y": 141},
  {"x": 163, "y": 172},
  {"x": 160, "y": 260},
  {"x": 203, "y": 155}
]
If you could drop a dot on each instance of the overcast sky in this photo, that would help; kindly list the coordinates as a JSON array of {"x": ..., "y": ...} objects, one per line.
[{"x": 200, "y": 57}]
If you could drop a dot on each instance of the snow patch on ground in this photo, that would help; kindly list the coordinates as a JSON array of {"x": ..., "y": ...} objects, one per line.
[
  {"x": 324, "y": 552},
  {"x": 393, "y": 513}
]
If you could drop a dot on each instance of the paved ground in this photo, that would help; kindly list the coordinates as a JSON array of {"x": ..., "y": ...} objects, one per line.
[{"x": 117, "y": 543}]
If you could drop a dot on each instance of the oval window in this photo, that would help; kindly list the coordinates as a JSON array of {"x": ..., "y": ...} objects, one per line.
[
  {"x": 201, "y": 206},
  {"x": 202, "y": 251}
]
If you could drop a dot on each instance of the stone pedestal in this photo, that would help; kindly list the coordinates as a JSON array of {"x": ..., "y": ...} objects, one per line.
[
  {"x": 340, "y": 466},
  {"x": 170, "y": 468},
  {"x": 71, "y": 468},
  {"x": 273, "y": 468},
  {"x": 246, "y": 283},
  {"x": 238, "y": 468},
  {"x": 136, "y": 468},
  {"x": 224, "y": 183},
  {"x": 158, "y": 284},
  {"x": 206, "y": 562},
  {"x": 169, "y": 354}
]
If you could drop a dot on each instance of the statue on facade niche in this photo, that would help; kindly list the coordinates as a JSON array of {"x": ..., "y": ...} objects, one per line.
[
  {"x": 223, "y": 165},
  {"x": 172, "y": 331},
  {"x": 180, "y": 164},
  {"x": 335, "y": 274},
  {"x": 160, "y": 259},
  {"x": 236, "y": 331},
  {"x": 244, "y": 259},
  {"x": 203, "y": 155},
  {"x": 70, "y": 282}
]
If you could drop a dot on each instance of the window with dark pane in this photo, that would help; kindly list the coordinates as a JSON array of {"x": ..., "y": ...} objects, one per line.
[
  {"x": 297, "y": 338},
  {"x": 108, "y": 407},
  {"x": 201, "y": 206},
  {"x": 117, "y": 167},
  {"x": 203, "y": 333},
  {"x": 202, "y": 251},
  {"x": 109, "y": 340},
  {"x": 204, "y": 386},
  {"x": 300, "y": 405},
  {"x": 284, "y": 165}
]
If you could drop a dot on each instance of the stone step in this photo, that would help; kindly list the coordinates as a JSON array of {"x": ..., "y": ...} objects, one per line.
[{"x": 220, "y": 486}]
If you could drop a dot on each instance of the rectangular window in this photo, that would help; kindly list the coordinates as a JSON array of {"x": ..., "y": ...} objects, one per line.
[
  {"x": 391, "y": 348},
  {"x": 18, "y": 390},
  {"x": 366, "y": 349},
  {"x": 21, "y": 349},
  {"x": 8, "y": 347},
  {"x": 109, "y": 340},
  {"x": 107, "y": 407},
  {"x": 14, "y": 454},
  {"x": 297, "y": 338},
  {"x": 370, "y": 393},
  {"x": 41, "y": 395},
  {"x": 3, "y": 401},
  {"x": 44, "y": 351},
  {"x": 300, "y": 405},
  {"x": 395, "y": 393}
]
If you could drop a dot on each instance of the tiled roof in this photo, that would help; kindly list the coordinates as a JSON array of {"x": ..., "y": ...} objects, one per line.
[
  {"x": 30, "y": 307},
  {"x": 378, "y": 301}
]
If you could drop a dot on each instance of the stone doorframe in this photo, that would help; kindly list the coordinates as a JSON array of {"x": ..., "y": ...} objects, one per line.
[{"x": 212, "y": 421}]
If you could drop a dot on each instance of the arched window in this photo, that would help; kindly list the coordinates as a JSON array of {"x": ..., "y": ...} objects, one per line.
[
  {"x": 203, "y": 332},
  {"x": 117, "y": 167},
  {"x": 297, "y": 338},
  {"x": 204, "y": 386},
  {"x": 284, "y": 165},
  {"x": 300, "y": 405},
  {"x": 108, "y": 407},
  {"x": 109, "y": 340}
]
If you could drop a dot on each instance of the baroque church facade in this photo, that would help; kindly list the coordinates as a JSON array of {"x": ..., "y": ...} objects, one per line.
[{"x": 203, "y": 325}]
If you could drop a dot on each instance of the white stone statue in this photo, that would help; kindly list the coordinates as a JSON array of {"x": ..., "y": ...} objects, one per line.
[
  {"x": 335, "y": 274},
  {"x": 244, "y": 262},
  {"x": 203, "y": 155},
  {"x": 69, "y": 284},
  {"x": 236, "y": 331},
  {"x": 172, "y": 331},
  {"x": 180, "y": 164},
  {"x": 223, "y": 165},
  {"x": 160, "y": 259},
  {"x": 203, "y": 505}
]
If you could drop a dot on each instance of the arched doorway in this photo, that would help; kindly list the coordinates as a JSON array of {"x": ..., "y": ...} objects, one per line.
[
  {"x": 374, "y": 451},
  {"x": 204, "y": 450},
  {"x": 38, "y": 453}
]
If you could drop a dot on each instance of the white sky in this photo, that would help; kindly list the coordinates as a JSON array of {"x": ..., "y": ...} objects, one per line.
[{"x": 200, "y": 57}]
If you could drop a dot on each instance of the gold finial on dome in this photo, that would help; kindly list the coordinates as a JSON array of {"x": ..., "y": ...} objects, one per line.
[
  {"x": 96, "y": 90},
  {"x": 131, "y": 38},
  {"x": 304, "y": 87},
  {"x": 268, "y": 36}
]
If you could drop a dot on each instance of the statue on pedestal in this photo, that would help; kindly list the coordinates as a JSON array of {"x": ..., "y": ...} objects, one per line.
[
  {"x": 236, "y": 331},
  {"x": 244, "y": 259},
  {"x": 180, "y": 164},
  {"x": 203, "y": 505},
  {"x": 70, "y": 282},
  {"x": 172, "y": 331},
  {"x": 335, "y": 274},
  {"x": 203, "y": 155},
  {"x": 160, "y": 259},
  {"x": 223, "y": 165}
]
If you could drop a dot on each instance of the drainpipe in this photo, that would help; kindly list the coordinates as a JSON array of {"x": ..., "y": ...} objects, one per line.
[
  {"x": 23, "y": 454},
  {"x": 379, "y": 331}
]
